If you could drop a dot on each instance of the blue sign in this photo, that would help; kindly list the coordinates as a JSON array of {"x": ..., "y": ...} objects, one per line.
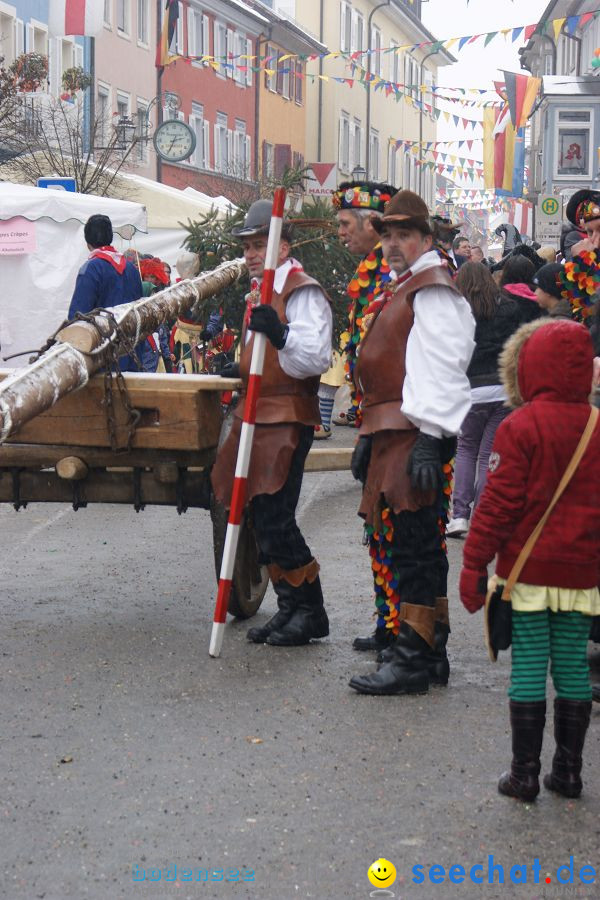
[{"x": 58, "y": 184}]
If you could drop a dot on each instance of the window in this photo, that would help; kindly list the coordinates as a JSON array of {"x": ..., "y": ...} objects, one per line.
[
  {"x": 345, "y": 27},
  {"x": 283, "y": 158},
  {"x": 198, "y": 39},
  {"x": 392, "y": 163},
  {"x": 268, "y": 160},
  {"x": 220, "y": 41},
  {"x": 374, "y": 155},
  {"x": 103, "y": 114},
  {"x": 394, "y": 58},
  {"x": 356, "y": 145},
  {"x": 270, "y": 67},
  {"x": 241, "y": 150},
  {"x": 298, "y": 82},
  {"x": 221, "y": 144},
  {"x": 122, "y": 105},
  {"x": 344, "y": 143},
  {"x": 123, "y": 13},
  {"x": 200, "y": 157},
  {"x": 176, "y": 47},
  {"x": 358, "y": 32},
  {"x": 141, "y": 109},
  {"x": 298, "y": 160},
  {"x": 171, "y": 107},
  {"x": 8, "y": 37},
  {"x": 107, "y": 13},
  {"x": 376, "y": 55},
  {"x": 574, "y": 141},
  {"x": 239, "y": 64},
  {"x": 142, "y": 21}
]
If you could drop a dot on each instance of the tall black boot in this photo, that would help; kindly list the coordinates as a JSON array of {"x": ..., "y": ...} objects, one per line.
[
  {"x": 571, "y": 720},
  {"x": 308, "y": 621},
  {"x": 437, "y": 658},
  {"x": 379, "y": 640},
  {"x": 286, "y": 602},
  {"x": 405, "y": 673},
  {"x": 527, "y": 721}
]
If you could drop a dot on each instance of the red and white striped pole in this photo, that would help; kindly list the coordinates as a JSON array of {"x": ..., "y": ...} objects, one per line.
[{"x": 238, "y": 496}]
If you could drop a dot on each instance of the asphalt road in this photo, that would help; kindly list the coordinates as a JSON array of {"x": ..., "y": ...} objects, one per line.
[{"x": 127, "y": 750}]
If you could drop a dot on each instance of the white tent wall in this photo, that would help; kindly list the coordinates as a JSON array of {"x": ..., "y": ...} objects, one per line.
[{"x": 36, "y": 287}]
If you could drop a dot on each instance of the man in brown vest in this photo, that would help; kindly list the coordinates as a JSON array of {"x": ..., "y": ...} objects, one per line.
[
  {"x": 411, "y": 411},
  {"x": 298, "y": 325}
]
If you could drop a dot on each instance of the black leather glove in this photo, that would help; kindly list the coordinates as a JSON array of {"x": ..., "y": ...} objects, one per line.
[
  {"x": 425, "y": 463},
  {"x": 230, "y": 370},
  {"x": 361, "y": 456},
  {"x": 264, "y": 318}
]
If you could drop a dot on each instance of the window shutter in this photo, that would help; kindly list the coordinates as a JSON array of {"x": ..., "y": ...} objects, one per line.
[
  {"x": 299, "y": 77},
  {"x": 279, "y": 77},
  {"x": 248, "y": 142},
  {"x": 192, "y": 50},
  {"x": 25, "y": 42},
  {"x": 180, "y": 30},
  {"x": 229, "y": 151},
  {"x": 205, "y": 37},
  {"x": 78, "y": 51},
  {"x": 283, "y": 158},
  {"x": 264, "y": 160},
  {"x": 230, "y": 50},
  {"x": 206, "y": 145},
  {"x": 340, "y": 143},
  {"x": 249, "y": 62}
]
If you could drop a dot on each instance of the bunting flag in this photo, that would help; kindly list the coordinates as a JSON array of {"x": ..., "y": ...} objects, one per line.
[
  {"x": 521, "y": 92},
  {"x": 80, "y": 17},
  {"x": 170, "y": 17}
]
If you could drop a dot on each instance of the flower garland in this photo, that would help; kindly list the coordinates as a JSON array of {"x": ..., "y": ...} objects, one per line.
[
  {"x": 369, "y": 280},
  {"x": 581, "y": 280}
]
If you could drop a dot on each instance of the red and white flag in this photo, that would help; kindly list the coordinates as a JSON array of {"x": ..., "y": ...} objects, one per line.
[{"x": 81, "y": 17}]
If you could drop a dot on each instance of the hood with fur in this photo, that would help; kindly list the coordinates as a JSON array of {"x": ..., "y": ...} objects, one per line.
[{"x": 547, "y": 359}]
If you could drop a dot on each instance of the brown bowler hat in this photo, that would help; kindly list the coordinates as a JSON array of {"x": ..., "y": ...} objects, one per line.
[{"x": 407, "y": 209}]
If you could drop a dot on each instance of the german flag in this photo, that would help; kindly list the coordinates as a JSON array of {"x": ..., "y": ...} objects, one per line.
[{"x": 170, "y": 17}]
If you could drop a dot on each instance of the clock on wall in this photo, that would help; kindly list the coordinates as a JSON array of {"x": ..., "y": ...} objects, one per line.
[{"x": 174, "y": 140}]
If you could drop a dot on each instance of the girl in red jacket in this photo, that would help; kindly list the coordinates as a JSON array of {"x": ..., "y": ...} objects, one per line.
[{"x": 547, "y": 370}]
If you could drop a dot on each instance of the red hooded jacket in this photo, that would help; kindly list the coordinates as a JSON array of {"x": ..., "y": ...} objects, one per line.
[{"x": 548, "y": 369}]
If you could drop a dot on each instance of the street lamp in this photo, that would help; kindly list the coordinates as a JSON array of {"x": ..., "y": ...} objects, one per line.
[
  {"x": 125, "y": 129},
  {"x": 359, "y": 173}
]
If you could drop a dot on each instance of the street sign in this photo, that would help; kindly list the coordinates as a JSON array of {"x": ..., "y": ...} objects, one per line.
[
  {"x": 321, "y": 179},
  {"x": 58, "y": 184},
  {"x": 548, "y": 220}
]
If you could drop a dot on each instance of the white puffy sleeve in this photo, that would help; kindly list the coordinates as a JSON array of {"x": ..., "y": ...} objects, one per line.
[
  {"x": 307, "y": 350},
  {"x": 437, "y": 395}
]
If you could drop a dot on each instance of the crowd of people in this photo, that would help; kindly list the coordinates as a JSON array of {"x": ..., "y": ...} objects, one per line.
[{"x": 470, "y": 340}]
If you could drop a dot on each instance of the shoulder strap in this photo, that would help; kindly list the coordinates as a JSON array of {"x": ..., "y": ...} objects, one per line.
[{"x": 569, "y": 472}]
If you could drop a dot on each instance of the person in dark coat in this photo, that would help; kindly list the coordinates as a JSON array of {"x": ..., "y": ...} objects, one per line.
[
  {"x": 516, "y": 283},
  {"x": 107, "y": 278},
  {"x": 549, "y": 291}
]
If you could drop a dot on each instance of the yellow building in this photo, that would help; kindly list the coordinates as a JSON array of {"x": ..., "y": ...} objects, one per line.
[
  {"x": 356, "y": 126},
  {"x": 281, "y": 99}
]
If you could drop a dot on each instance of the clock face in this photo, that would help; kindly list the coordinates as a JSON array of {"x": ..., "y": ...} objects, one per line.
[{"x": 174, "y": 140}]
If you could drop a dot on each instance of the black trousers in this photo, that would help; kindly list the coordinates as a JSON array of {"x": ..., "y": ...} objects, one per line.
[
  {"x": 274, "y": 515},
  {"x": 418, "y": 557}
]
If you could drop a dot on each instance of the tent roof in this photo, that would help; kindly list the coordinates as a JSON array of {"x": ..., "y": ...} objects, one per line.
[
  {"x": 167, "y": 206},
  {"x": 35, "y": 203}
]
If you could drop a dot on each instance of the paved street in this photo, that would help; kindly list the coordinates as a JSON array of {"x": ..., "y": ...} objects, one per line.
[{"x": 125, "y": 748}]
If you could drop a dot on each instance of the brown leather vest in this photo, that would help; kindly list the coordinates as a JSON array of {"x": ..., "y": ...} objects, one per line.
[
  {"x": 380, "y": 369},
  {"x": 282, "y": 398}
]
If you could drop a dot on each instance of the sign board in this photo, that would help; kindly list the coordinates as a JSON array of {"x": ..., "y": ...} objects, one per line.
[
  {"x": 548, "y": 219},
  {"x": 58, "y": 184},
  {"x": 17, "y": 236},
  {"x": 321, "y": 179}
]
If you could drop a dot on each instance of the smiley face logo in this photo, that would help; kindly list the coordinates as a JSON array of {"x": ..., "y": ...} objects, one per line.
[{"x": 382, "y": 873}]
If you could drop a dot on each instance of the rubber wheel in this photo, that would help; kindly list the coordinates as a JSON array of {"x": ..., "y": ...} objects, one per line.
[{"x": 250, "y": 579}]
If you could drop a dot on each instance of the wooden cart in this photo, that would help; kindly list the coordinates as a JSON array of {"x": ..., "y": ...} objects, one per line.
[{"x": 68, "y": 455}]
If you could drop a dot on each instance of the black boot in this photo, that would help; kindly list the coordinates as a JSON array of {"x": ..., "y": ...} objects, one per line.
[
  {"x": 405, "y": 673},
  {"x": 437, "y": 658},
  {"x": 308, "y": 621},
  {"x": 571, "y": 720},
  {"x": 379, "y": 640},
  {"x": 527, "y": 722},
  {"x": 286, "y": 601}
]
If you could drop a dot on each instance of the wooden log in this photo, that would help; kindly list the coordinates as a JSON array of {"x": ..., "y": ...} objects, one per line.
[
  {"x": 71, "y": 468},
  {"x": 39, "y": 456},
  {"x": 166, "y": 473},
  {"x": 64, "y": 368}
]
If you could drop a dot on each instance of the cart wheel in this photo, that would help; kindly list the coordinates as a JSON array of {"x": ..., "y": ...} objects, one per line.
[{"x": 250, "y": 579}]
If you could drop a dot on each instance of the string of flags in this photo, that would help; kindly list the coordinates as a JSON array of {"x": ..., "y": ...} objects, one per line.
[{"x": 443, "y": 157}]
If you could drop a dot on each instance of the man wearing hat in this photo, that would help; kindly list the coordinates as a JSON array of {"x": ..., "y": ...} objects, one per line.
[
  {"x": 443, "y": 233},
  {"x": 411, "y": 413},
  {"x": 298, "y": 326},
  {"x": 356, "y": 202},
  {"x": 583, "y": 212}
]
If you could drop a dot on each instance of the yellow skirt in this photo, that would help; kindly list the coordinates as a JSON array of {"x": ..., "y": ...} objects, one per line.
[{"x": 536, "y": 598}]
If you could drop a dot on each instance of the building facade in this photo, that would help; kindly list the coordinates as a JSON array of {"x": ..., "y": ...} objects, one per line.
[{"x": 355, "y": 125}]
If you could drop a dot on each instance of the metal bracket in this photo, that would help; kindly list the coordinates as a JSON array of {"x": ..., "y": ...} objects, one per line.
[
  {"x": 16, "y": 486},
  {"x": 138, "y": 504},
  {"x": 180, "y": 490}
]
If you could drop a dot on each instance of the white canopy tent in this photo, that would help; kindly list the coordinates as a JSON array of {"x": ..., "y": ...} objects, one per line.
[
  {"x": 167, "y": 207},
  {"x": 37, "y": 285}
]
